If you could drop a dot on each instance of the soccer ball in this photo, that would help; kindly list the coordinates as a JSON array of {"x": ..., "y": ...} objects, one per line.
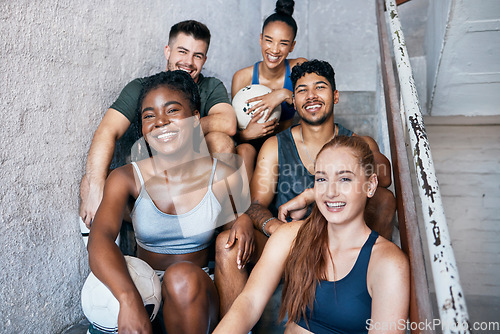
[
  {"x": 240, "y": 106},
  {"x": 101, "y": 307}
]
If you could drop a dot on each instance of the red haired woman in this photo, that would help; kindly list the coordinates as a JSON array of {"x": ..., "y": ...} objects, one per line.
[{"x": 340, "y": 276}]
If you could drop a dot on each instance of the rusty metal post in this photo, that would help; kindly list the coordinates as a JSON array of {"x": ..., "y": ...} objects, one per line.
[{"x": 450, "y": 297}]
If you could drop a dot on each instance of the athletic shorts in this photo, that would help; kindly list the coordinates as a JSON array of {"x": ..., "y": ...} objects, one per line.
[{"x": 161, "y": 273}]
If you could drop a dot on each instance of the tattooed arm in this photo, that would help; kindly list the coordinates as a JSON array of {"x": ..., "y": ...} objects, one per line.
[{"x": 263, "y": 187}]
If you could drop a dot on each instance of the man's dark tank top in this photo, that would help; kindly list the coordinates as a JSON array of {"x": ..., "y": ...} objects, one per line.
[
  {"x": 343, "y": 306},
  {"x": 293, "y": 177}
]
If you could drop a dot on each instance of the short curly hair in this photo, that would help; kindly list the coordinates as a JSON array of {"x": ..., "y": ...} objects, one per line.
[
  {"x": 176, "y": 80},
  {"x": 320, "y": 67}
]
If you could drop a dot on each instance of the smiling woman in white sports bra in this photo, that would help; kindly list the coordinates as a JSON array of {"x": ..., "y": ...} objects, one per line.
[{"x": 180, "y": 196}]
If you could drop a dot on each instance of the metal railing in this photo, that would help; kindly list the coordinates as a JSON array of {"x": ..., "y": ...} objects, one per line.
[{"x": 450, "y": 298}]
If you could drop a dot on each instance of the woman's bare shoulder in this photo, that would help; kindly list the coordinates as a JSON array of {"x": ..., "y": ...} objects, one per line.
[
  {"x": 245, "y": 71},
  {"x": 386, "y": 256},
  {"x": 288, "y": 230},
  {"x": 243, "y": 77},
  {"x": 122, "y": 180},
  {"x": 121, "y": 174}
]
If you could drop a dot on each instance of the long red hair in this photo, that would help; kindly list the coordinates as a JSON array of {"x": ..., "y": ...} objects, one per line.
[{"x": 306, "y": 263}]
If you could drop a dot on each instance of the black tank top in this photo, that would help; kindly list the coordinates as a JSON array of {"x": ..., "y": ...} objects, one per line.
[
  {"x": 293, "y": 177},
  {"x": 343, "y": 306}
]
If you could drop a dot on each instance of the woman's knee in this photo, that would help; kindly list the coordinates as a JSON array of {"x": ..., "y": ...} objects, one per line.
[{"x": 183, "y": 282}]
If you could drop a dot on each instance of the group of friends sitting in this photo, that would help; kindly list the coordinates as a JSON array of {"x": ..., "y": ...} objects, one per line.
[{"x": 318, "y": 216}]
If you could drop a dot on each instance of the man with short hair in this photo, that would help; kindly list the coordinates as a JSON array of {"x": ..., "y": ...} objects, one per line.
[
  {"x": 285, "y": 170},
  {"x": 186, "y": 50}
]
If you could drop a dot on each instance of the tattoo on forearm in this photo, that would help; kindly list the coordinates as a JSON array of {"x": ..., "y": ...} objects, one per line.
[{"x": 259, "y": 214}]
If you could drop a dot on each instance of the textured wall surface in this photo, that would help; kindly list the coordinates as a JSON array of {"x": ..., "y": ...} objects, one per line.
[
  {"x": 62, "y": 63},
  {"x": 414, "y": 22},
  {"x": 345, "y": 34},
  {"x": 466, "y": 155},
  {"x": 468, "y": 75},
  {"x": 434, "y": 37},
  {"x": 467, "y": 160}
]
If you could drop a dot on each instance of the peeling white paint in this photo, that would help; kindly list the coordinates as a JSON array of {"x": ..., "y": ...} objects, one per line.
[{"x": 450, "y": 297}]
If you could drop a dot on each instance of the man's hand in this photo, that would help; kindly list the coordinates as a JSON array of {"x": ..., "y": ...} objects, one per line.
[
  {"x": 112, "y": 127},
  {"x": 296, "y": 208},
  {"x": 243, "y": 231},
  {"x": 90, "y": 199}
]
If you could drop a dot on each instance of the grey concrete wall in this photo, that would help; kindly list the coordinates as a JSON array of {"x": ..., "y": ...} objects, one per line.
[
  {"x": 468, "y": 75},
  {"x": 414, "y": 19},
  {"x": 466, "y": 156},
  {"x": 62, "y": 63},
  {"x": 434, "y": 39},
  {"x": 345, "y": 34}
]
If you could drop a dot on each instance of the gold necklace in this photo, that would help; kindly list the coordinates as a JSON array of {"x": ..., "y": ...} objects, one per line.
[{"x": 305, "y": 147}]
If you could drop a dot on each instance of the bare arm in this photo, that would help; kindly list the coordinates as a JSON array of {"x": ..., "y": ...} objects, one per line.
[
  {"x": 383, "y": 166},
  {"x": 254, "y": 130},
  {"x": 296, "y": 208},
  {"x": 263, "y": 186},
  {"x": 270, "y": 101},
  {"x": 106, "y": 259},
  {"x": 248, "y": 307},
  {"x": 241, "y": 79},
  {"x": 231, "y": 188},
  {"x": 220, "y": 118},
  {"x": 112, "y": 127},
  {"x": 389, "y": 285},
  {"x": 277, "y": 96}
]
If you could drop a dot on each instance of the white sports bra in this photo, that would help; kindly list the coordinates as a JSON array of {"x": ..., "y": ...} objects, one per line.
[{"x": 162, "y": 233}]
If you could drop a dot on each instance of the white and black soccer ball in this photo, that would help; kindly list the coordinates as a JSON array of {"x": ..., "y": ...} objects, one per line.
[
  {"x": 101, "y": 307},
  {"x": 241, "y": 107}
]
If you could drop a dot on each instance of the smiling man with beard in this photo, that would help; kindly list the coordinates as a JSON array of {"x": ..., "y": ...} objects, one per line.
[
  {"x": 285, "y": 170},
  {"x": 186, "y": 50}
]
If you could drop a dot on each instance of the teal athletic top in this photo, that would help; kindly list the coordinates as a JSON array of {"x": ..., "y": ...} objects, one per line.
[
  {"x": 162, "y": 233},
  {"x": 212, "y": 92},
  {"x": 287, "y": 110},
  {"x": 343, "y": 306},
  {"x": 293, "y": 177}
]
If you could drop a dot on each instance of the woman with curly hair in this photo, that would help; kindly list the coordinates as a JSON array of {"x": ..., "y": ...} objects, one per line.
[{"x": 180, "y": 195}]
